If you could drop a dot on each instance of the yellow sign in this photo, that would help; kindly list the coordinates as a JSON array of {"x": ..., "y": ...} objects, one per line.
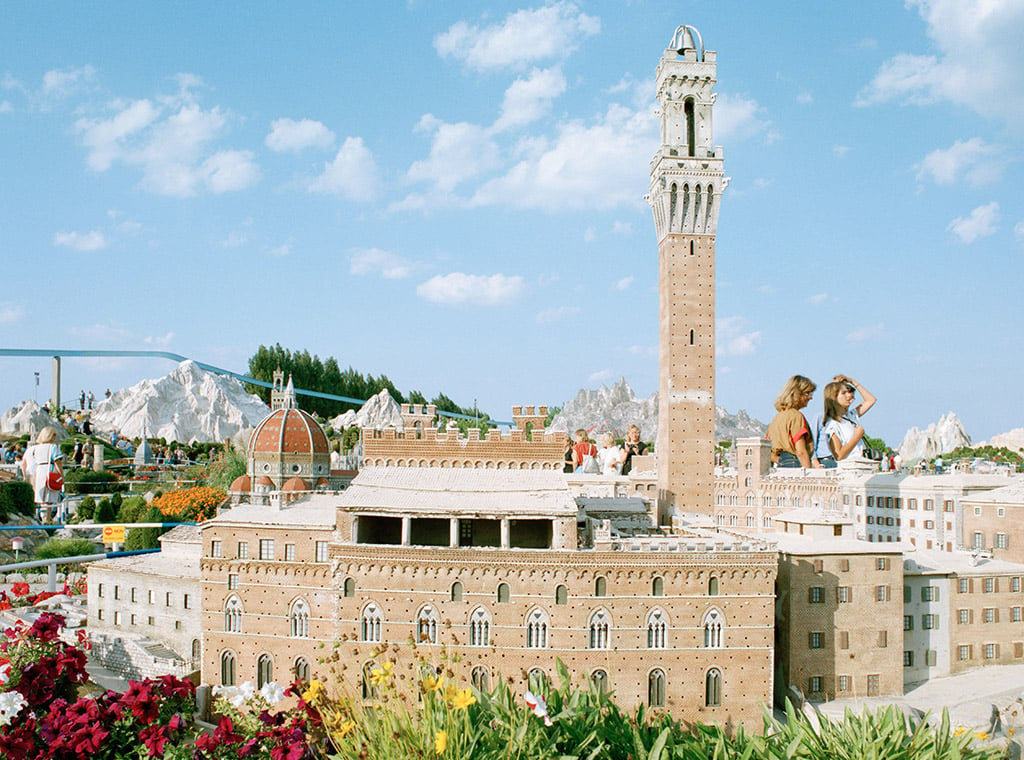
[{"x": 113, "y": 534}]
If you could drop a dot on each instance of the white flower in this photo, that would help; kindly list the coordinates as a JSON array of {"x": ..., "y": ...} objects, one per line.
[
  {"x": 272, "y": 692},
  {"x": 540, "y": 708},
  {"x": 11, "y": 703},
  {"x": 243, "y": 695}
]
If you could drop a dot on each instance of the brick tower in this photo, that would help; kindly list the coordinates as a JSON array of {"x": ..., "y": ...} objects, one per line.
[{"x": 686, "y": 185}]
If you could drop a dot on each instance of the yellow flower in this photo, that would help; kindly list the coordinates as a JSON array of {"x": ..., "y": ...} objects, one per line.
[
  {"x": 433, "y": 683},
  {"x": 440, "y": 741},
  {"x": 313, "y": 692},
  {"x": 960, "y": 731},
  {"x": 345, "y": 728},
  {"x": 981, "y": 735},
  {"x": 463, "y": 699},
  {"x": 379, "y": 676}
]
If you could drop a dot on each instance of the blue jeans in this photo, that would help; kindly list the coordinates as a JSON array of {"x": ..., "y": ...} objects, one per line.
[
  {"x": 788, "y": 460},
  {"x": 828, "y": 462}
]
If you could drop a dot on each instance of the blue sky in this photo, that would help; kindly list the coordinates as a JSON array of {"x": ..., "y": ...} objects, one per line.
[{"x": 454, "y": 196}]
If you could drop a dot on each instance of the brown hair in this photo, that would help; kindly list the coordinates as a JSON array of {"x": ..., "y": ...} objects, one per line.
[{"x": 833, "y": 411}]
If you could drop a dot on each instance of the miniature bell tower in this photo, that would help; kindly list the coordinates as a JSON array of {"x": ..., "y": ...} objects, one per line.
[{"x": 687, "y": 181}]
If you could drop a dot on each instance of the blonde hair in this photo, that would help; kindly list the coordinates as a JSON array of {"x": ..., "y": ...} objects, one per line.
[
  {"x": 607, "y": 440},
  {"x": 47, "y": 435},
  {"x": 792, "y": 392}
]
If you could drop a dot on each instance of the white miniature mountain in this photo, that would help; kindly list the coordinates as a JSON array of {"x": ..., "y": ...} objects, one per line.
[
  {"x": 939, "y": 437},
  {"x": 28, "y": 417},
  {"x": 616, "y": 408},
  {"x": 1011, "y": 439},
  {"x": 189, "y": 404},
  {"x": 379, "y": 412}
]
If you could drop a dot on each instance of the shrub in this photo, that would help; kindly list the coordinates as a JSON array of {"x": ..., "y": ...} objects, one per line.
[
  {"x": 65, "y": 547},
  {"x": 146, "y": 538},
  {"x": 105, "y": 512},
  {"x": 86, "y": 508},
  {"x": 131, "y": 509},
  {"x": 16, "y": 498},
  {"x": 222, "y": 472},
  {"x": 115, "y": 501},
  {"x": 81, "y": 480}
]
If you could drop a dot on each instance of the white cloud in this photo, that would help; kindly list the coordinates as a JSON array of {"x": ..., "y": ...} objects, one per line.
[
  {"x": 458, "y": 152},
  {"x": 388, "y": 265},
  {"x": 818, "y": 298},
  {"x": 804, "y": 98},
  {"x": 479, "y": 290},
  {"x": 1018, "y": 232},
  {"x": 589, "y": 235},
  {"x": 977, "y": 161},
  {"x": 10, "y": 313},
  {"x": 5, "y": 106},
  {"x": 600, "y": 376},
  {"x": 980, "y": 223},
  {"x": 285, "y": 249},
  {"x": 79, "y": 241},
  {"x": 624, "y": 283},
  {"x": 100, "y": 333},
  {"x": 556, "y": 314},
  {"x": 291, "y": 135},
  {"x": 978, "y": 60},
  {"x": 171, "y": 143},
  {"x": 865, "y": 333},
  {"x": 551, "y": 176},
  {"x": 523, "y": 38},
  {"x": 839, "y": 151},
  {"x": 622, "y": 228},
  {"x": 527, "y": 100},
  {"x": 60, "y": 84},
  {"x": 739, "y": 118},
  {"x": 352, "y": 174},
  {"x": 768, "y": 289},
  {"x": 159, "y": 340},
  {"x": 733, "y": 339}
]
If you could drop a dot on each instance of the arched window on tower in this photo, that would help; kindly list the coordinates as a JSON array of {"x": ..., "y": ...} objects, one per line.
[
  {"x": 480, "y": 677},
  {"x": 264, "y": 670},
  {"x": 691, "y": 128},
  {"x": 600, "y": 586},
  {"x": 426, "y": 626},
  {"x": 713, "y": 688},
  {"x": 697, "y": 210},
  {"x": 301, "y": 670},
  {"x": 298, "y": 619},
  {"x": 657, "y": 629},
  {"x": 714, "y": 629},
  {"x": 227, "y": 668},
  {"x": 233, "y": 615},
  {"x": 371, "y": 623},
  {"x": 712, "y": 586},
  {"x": 456, "y": 592},
  {"x": 503, "y": 593},
  {"x": 479, "y": 628},
  {"x": 537, "y": 629},
  {"x": 658, "y": 586},
  {"x": 709, "y": 204},
  {"x": 656, "y": 688},
  {"x": 600, "y": 630},
  {"x": 693, "y": 337},
  {"x": 599, "y": 678},
  {"x": 350, "y": 588},
  {"x": 672, "y": 208},
  {"x": 691, "y": 248},
  {"x": 561, "y": 595}
]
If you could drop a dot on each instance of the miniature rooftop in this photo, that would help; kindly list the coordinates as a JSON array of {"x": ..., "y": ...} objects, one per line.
[
  {"x": 450, "y": 491},
  {"x": 180, "y": 551},
  {"x": 794, "y": 543},
  {"x": 1012, "y": 494},
  {"x": 926, "y": 562},
  {"x": 315, "y": 510},
  {"x": 599, "y": 506}
]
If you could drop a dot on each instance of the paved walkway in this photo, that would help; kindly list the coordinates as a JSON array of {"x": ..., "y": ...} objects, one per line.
[{"x": 969, "y": 697}]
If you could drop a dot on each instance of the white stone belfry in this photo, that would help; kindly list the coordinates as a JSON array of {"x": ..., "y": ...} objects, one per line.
[{"x": 687, "y": 182}]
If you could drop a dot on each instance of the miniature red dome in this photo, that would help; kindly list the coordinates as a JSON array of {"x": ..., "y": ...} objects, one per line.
[
  {"x": 295, "y": 484},
  {"x": 288, "y": 431},
  {"x": 323, "y": 483},
  {"x": 241, "y": 484},
  {"x": 265, "y": 481}
]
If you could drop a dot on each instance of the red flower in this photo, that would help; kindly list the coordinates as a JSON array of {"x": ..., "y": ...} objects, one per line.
[
  {"x": 142, "y": 702},
  {"x": 20, "y": 589},
  {"x": 47, "y": 627},
  {"x": 155, "y": 738}
]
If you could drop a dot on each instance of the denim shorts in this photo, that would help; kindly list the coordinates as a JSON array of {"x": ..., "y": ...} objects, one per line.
[
  {"x": 828, "y": 462},
  {"x": 788, "y": 460}
]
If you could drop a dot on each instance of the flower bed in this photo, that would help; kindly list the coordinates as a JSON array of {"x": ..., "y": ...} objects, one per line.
[{"x": 43, "y": 716}]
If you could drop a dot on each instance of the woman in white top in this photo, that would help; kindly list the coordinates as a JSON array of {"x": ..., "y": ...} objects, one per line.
[
  {"x": 610, "y": 456},
  {"x": 842, "y": 428},
  {"x": 36, "y": 466}
]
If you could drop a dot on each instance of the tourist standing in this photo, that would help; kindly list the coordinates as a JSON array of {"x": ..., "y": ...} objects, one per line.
[
  {"x": 39, "y": 461},
  {"x": 792, "y": 443}
]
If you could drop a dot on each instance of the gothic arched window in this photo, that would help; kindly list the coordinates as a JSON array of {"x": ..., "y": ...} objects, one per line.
[
  {"x": 657, "y": 630},
  {"x": 227, "y": 668},
  {"x": 298, "y": 619},
  {"x": 656, "y": 688},
  {"x": 233, "y": 615},
  {"x": 426, "y": 626},
  {"x": 714, "y": 629},
  {"x": 713, "y": 688},
  {"x": 479, "y": 628},
  {"x": 537, "y": 629},
  {"x": 264, "y": 670},
  {"x": 370, "y": 623},
  {"x": 600, "y": 630}
]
